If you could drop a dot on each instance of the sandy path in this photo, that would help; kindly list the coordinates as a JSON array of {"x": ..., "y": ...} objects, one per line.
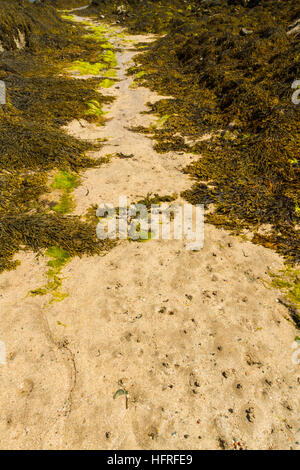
[{"x": 202, "y": 347}]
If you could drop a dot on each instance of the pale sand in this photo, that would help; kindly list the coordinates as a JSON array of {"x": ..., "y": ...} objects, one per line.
[{"x": 201, "y": 345}]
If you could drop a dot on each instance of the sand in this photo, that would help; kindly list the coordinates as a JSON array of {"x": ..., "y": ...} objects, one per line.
[{"x": 197, "y": 339}]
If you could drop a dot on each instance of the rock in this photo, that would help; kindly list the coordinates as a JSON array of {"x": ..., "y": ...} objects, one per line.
[{"x": 245, "y": 32}]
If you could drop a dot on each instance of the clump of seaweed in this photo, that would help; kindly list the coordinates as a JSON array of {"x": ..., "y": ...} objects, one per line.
[
  {"x": 41, "y": 230},
  {"x": 156, "y": 199}
]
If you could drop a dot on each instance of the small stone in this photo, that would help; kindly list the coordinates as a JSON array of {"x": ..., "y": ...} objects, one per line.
[{"x": 245, "y": 32}]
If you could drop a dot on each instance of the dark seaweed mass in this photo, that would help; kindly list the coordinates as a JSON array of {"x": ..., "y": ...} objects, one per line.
[
  {"x": 230, "y": 66},
  {"x": 40, "y": 99}
]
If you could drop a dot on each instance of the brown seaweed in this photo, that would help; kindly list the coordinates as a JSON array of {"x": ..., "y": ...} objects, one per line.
[
  {"x": 41, "y": 98},
  {"x": 229, "y": 66}
]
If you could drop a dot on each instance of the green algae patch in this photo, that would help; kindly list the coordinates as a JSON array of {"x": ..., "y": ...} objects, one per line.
[
  {"x": 106, "y": 83},
  {"x": 87, "y": 68},
  {"x": 96, "y": 32},
  {"x": 65, "y": 182},
  {"x": 65, "y": 205},
  {"x": 161, "y": 122},
  {"x": 106, "y": 60},
  {"x": 140, "y": 74},
  {"x": 109, "y": 58},
  {"x": 58, "y": 259},
  {"x": 288, "y": 281},
  {"x": 95, "y": 109},
  {"x": 68, "y": 17},
  {"x": 107, "y": 45}
]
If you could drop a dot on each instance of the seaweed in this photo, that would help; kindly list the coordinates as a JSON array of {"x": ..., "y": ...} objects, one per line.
[
  {"x": 41, "y": 98},
  {"x": 153, "y": 199},
  {"x": 229, "y": 67},
  {"x": 58, "y": 259},
  {"x": 288, "y": 281},
  {"x": 41, "y": 230},
  {"x": 65, "y": 182}
]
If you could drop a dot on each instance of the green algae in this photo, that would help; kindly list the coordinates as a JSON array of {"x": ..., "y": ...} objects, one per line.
[
  {"x": 65, "y": 182},
  {"x": 107, "y": 60},
  {"x": 58, "y": 259},
  {"x": 161, "y": 122},
  {"x": 68, "y": 17},
  {"x": 106, "y": 83},
  {"x": 110, "y": 73},
  {"x": 65, "y": 205},
  {"x": 95, "y": 109},
  {"x": 107, "y": 45},
  {"x": 87, "y": 68},
  {"x": 140, "y": 74},
  {"x": 97, "y": 33},
  {"x": 288, "y": 280}
]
